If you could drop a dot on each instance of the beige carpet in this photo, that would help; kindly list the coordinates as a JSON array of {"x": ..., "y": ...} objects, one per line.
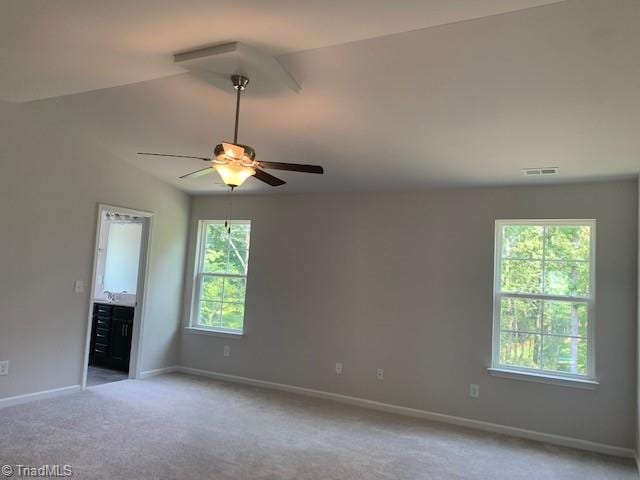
[{"x": 183, "y": 427}]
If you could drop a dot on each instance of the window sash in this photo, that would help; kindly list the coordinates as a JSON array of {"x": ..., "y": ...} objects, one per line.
[
  {"x": 541, "y": 296},
  {"x": 589, "y": 300},
  {"x": 222, "y": 302},
  {"x": 200, "y": 275},
  {"x": 527, "y": 332}
]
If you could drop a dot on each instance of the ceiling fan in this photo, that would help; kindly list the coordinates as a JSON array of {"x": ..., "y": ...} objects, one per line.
[{"x": 236, "y": 162}]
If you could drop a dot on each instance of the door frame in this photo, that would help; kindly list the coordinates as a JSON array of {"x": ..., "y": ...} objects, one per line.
[{"x": 135, "y": 359}]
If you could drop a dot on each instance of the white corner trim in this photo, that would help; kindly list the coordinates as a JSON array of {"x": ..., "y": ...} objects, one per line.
[
  {"x": 30, "y": 397},
  {"x": 584, "y": 384},
  {"x": 424, "y": 414},
  {"x": 157, "y": 371}
]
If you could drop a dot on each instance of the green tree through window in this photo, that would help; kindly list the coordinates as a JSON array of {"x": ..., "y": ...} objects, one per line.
[
  {"x": 222, "y": 275},
  {"x": 543, "y": 296}
]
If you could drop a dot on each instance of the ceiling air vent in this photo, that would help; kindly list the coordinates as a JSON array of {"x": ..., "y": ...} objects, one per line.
[{"x": 541, "y": 171}]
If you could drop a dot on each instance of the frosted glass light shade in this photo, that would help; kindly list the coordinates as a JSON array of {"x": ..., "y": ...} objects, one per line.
[{"x": 234, "y": 174}]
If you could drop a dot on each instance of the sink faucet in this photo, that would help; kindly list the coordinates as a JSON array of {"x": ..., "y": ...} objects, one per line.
[{"x": 112, "y": 297}]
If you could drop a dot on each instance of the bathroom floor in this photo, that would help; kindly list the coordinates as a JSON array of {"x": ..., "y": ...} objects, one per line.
[{"x": 98, "y": 376}]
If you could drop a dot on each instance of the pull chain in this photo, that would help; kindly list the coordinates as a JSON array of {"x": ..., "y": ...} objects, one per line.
[{"x": 227, "y": 223}]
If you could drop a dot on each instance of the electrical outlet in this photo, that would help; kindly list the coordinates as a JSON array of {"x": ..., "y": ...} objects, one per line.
[
  {"x": 474, "y": 390},
  {"x": 78, "y": 286},
  {"x": 339, "y": 368},
  {"x": 227, "y": 351},
  {"x": 4, "y": 367},
  {"x": 380, "y": 374}
]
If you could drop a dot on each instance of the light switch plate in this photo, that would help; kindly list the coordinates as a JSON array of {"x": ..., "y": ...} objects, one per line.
[
  {"x": 339, "y": 368},
  {"x": 226, "y": 351},
  {"x": 78, "y": 286},
  {"x": 4, "y": 367}
]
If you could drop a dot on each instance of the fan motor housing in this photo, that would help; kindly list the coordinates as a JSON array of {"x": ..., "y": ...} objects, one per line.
[{"x": 249, "y": 151}]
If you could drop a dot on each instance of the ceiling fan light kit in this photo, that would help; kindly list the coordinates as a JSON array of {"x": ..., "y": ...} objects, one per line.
[{"x": 235, "y": 163}]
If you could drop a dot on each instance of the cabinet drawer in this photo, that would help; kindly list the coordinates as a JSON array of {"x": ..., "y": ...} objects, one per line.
[
  {"x": 104, "y": 309},
  {"x": 102, "y": 337},
  {"x": 100, "y": 318},
  {"x": 103, "y": 324},
  {"x": 102, "y": 330}
]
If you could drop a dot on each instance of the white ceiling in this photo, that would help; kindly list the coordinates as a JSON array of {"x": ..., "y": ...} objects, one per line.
[
  {"x": 466, "y": 103},
  {"x": 51, "y": 48}
]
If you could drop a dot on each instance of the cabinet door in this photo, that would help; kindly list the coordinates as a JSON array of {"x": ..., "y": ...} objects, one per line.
[
  {"x": 128, "y": 334},
  {"x": 119, "y": 347}
]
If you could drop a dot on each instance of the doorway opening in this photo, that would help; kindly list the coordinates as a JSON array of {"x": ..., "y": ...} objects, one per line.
[{"x": 114, "y": 326}]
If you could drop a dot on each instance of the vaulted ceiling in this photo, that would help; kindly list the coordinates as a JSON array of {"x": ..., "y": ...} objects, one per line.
[{"x": 395, "y": 95}]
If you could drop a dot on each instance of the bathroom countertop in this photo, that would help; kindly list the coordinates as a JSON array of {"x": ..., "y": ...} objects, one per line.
[{"x": 116, "y": 303}]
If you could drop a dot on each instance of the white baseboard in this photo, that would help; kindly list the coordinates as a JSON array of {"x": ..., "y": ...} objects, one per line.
[
  {"x": 412, "y": 412},
  {"x": 157, "y": 371},
  {"x": 30, "y": 397}
]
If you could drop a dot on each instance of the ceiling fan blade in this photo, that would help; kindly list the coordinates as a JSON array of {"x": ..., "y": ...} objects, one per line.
[
  {"x": 293, "y": 167},
  {"x": 268, "y": 178},
  {"x": 175, "y": 156},
  {"x": 198, "y": 173}
]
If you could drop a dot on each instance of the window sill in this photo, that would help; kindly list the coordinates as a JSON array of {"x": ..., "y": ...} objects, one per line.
[
  {"x": 585, "y": 384},
  {"x": 214, "y": 333}
]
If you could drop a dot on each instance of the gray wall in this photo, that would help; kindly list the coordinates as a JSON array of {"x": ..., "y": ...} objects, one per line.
[
  {"x": 50, "y": 184},
  {"x": 403, "y": 281}
]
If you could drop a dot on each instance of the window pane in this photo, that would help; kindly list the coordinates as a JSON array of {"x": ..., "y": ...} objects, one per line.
[
  {"x": 234, "y": 290},
  {"x": 522, "y": 241},
  {"x": 520, "y": 349},
  {"x": 521, "y": 276},
  {"x": 566, "y": 278},
  {"x": 568, "y": 242},
  {"x": 520, "y": 314},
  {"x": 210, "y": 313},
  {"x": 232, "y": 316},
  {"x": 212, "y": 288},
  {"x": 565, "y": 318},
  {"x": 238, "y": 249},
  {"x": 564, "y": 354},
  {"x": 226, "y": 252},
  {"x": 216, "y": 249}
]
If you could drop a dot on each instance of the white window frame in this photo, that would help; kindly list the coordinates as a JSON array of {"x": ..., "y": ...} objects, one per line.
[
  {"x": 545, "y": 376},
  {"x": 198, "y": 275}
]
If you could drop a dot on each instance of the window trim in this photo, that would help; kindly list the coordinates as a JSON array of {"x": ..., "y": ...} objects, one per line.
[
  {"x": 196, "y": 284},
  {"x": 583, "y": 383},
  {"x": 510, "y": 371}
]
